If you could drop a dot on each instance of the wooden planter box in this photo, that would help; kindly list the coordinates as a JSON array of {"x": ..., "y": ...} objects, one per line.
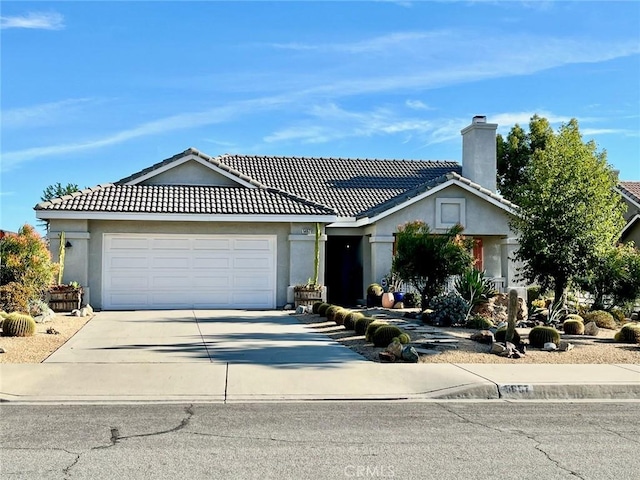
[
  {"x": 65, "y": 300},
  {"x": 307, "y": 297}
]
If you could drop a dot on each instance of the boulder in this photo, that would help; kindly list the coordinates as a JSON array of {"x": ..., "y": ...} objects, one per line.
[
  {"x": 550, "y": 347},
  {"x": 45, "y": 317},
  {"x": 395, "y": 348},
  {"x": 386, "y": 357},
  {"x": 591, "y": 329},
  {"x": 409, "y": 354},
  {"x": 498, "y": 348},
  {"x": 483, "y": 336},
  {"x": 496, "y": 308},
  {"x": 565, "y": 346}
]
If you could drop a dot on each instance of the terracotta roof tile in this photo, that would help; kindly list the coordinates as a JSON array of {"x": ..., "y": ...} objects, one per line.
[{"x": 632, "y": 189}]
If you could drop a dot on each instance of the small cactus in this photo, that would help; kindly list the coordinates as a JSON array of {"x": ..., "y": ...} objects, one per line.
[
  {"x": 18, "y": 325},
  {"x": 316, "y": 307},
  {"x": 540, "y": 335},
  {"x": 573, "y": 327},
  {"x": 350, "y": 320},
  {"x": 512, "y": 312},
  {"x": 322, "y": 309},
  {"x": 362, "y": 324},
  {"x": 340, "y": 315},
  {"x": 404, "y": 338},
  {"x": 501, "y": 334},
  {"x": 371, "y": 329},
  {"x": 375, "y": 289},
  {"x": 385, "y": 334},
  {"x": 629, "y": 333}
]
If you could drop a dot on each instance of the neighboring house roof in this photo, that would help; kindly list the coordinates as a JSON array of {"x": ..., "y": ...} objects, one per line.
[
  {"x": 185, "y": 199},
  {"x": 631, "y": 190}
]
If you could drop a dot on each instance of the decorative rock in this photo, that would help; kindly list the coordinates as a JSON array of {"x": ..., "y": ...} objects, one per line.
[
  {"x": 502, "y": 325},
  {"x": 498, "y": 348},
  {"x": 550, "y": 347},
  {"x": 301, "y": 309},
  {"x": 52, "y": 331},
  {"x": 89, "y": 307},
  {"x": 399, "y": 305},
  {"x": 85, "y": 312},
  {"x": 635, "y": 316},
  {"x": 2, "y": 350},
  {"x": 288, "y": 306},
  {"x": 395, "y": 348},
  {"x": 591, "y": 329},
  {"x": 483, "y": 336},
  {"x": 47, "y": 316},
  {"x": 565, "y": 346},
  {"x": 387, "y": 357},
  {"x": 409, "y": 354},
  {"x": 75, "y": 313}
]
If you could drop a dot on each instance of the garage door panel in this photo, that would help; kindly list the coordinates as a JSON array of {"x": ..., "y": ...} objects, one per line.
[{"x": 188, "y": 271}]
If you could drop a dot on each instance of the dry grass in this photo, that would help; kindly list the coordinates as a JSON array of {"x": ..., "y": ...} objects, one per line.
[
  {"x": 37, "y": 348},
  {"x": 588, "y": 350}
]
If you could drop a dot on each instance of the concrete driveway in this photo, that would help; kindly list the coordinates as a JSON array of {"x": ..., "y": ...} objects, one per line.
[{"x": 209, "y": 336}]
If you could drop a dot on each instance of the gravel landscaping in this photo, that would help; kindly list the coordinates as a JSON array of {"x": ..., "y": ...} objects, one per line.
[{"x": 588, "y": 350}]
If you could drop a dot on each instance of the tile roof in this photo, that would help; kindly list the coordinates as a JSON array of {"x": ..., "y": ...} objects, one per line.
[
  {"x": 350, "y": 186},
  {"x": 185, "y": 199},
  {"x": 632, "y": 189}
]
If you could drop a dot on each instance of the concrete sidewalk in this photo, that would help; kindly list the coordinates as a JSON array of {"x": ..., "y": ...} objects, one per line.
[{"x": 186, "y": 356}]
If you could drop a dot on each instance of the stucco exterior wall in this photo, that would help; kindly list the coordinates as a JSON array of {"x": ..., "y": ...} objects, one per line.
[
  {"x": 90, "y": 260},
  {"x": 190, "y": 173}
]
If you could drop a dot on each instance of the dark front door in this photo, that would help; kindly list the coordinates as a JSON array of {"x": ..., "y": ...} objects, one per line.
[{"x": 343, "y": 270}]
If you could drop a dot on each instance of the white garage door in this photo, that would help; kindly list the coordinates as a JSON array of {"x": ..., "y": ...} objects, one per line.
[{"x": 188, "y": 271}]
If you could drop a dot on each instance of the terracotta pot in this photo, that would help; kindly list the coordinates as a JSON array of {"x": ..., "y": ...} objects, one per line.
[{"x": 388, "y": 300}]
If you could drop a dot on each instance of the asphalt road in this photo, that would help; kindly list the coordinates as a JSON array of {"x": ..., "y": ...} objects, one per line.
[{"x": 347, "y": 440}]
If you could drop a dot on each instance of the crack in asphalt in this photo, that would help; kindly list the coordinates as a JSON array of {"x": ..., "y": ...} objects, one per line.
[
  {"x": 602, "y": 427},
  {"x": 537, "y": 443}
]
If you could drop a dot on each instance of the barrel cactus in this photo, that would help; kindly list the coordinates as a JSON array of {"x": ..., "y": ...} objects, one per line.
[
  {"x": 573, "y": 327},
  {"x": 322, "y": 309},
  {"x": 331, "y": 312},
  {"x": 371, "y": 329},
  {"x": 501, "y": 335},
  {"x": 18, "y": 325},
  {"x": 574, "y": 316},
  {"x": 316, "y": 307},
  {"x": 404, "y": 338},
  {"x": 540, "y": 335},
  {"x": 362, "y": 324},
  {"x": 340, "y": 315},
  {"x": 601, "y": 318},
  {"x": 385, "y": 334},
  {"x": 375, "y": 289},
  {"x": 350, "y": 320},
  {"x": 629, "y": 333},
  {"x": 479, "y": 323}
]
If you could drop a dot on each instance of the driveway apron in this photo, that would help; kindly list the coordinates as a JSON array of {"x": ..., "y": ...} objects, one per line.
[{"x": 209, "y": 336}]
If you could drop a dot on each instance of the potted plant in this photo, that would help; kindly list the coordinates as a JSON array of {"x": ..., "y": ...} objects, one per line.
[
  {"x": 312, "y": 291},
  {"x": 64, "y": 298}
]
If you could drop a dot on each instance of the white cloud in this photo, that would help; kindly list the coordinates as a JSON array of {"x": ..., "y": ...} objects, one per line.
[
  {"x": 417, "y": 105},
  {"x": 34, "y": 20},
  {"x": 42, "y": 114}
]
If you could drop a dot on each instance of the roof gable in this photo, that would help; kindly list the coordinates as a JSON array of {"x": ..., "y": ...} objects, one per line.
[{"x": 631, "y": 191}]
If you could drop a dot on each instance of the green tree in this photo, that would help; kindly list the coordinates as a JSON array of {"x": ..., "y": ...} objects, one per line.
[
  {"x": 569, "y": 210},
  {"x": 57, "y": 190},
  {"x": 26, "y": 269},
  {"x": 426, "y": 260},
  {"x": 613, "y": 277},
  {"x": 514, "y": 155}
]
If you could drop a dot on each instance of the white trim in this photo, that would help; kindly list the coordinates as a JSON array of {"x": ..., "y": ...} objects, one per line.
[
  {"x": 509, "y": 241},
  {"x": 632, "y": 220},
  {"x": 382, "y": 239},
  {"x": 462, "y": 219},
  {"x": 183, "y": 217},
  {"x": 627, "y": 197},
  {"x": 272, "y": 238},
  {"x": 187, "y": 158}
]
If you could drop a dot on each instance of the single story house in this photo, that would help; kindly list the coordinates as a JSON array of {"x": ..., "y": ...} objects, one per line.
[
  {"x": 238, "y": 231},
  {"x": 630, "y": 192}
]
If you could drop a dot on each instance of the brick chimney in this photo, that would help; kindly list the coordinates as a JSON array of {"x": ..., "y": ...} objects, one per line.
[{"x": 479, "y": 163}]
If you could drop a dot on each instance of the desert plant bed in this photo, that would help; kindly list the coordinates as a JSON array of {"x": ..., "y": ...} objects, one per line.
[{"x": 601, "y": 349}]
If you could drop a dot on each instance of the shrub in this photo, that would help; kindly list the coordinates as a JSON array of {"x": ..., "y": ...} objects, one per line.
[
  {"x": 479, "y": 322},
  {"x": 375, "y": 290},
  {"x": 371, "y": 329},
  {"x": 449, "y": 309},
  {"x": 350, "y": 320},
  {"x": 25, "y": 261},
  {"x": 573, "y": 327},
  {"x": 331, "y": 312},
  {"x": 404, "y": 338},
  {"x": 18, "y": 325},
  {"x": 316, "y": 307},
  {"x": 601, "y": 318},
  {"x": 629, "y": 333},
  {"x": 617, "y": 314},
  {"x": 340, "y": 316},
  {"x": 474, "y": 287},
  {"x": 501, "y": 335},
  {"x": 322, "y": 309},
  {"x": 385, "y": 334},
  {"x": 361, "y": 325},
  {"x": 412, "y": 300},
  {"x": 540, "y": 335}
]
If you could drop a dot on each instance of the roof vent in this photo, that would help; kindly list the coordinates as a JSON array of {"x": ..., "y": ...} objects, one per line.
[{"x": 479, "y": 119}]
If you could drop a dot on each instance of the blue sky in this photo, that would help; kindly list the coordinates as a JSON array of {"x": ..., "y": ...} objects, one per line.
[{"x": 94, "y": 91}]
